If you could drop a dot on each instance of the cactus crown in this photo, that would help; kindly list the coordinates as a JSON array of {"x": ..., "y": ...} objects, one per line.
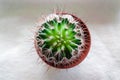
[{"x": 59, "y": 38}]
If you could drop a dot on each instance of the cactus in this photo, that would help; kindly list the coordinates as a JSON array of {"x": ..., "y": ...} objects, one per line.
[{"x": 59, "y": 40}]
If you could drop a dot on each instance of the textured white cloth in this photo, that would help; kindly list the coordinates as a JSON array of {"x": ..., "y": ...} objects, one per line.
[{"x": 19, "y": 61}]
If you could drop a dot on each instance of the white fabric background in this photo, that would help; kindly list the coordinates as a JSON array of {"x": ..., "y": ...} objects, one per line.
[{"x": 19, "y": 61}]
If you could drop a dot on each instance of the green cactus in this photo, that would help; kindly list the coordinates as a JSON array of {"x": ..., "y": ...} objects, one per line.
[{"x": 59, "y": 39}]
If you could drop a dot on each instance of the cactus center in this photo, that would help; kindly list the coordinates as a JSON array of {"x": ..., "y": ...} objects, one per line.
[{"x": 59, "y": 39}]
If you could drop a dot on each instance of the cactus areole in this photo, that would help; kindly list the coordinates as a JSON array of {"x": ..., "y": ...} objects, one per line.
[{"x": 62, "y": 40}]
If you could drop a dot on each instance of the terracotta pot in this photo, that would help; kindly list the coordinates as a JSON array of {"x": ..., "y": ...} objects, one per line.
[{"x": 83, "y": 49}]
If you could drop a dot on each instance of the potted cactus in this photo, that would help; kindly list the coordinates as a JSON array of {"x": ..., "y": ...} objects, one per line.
[{"x": 62, "y": 40}]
